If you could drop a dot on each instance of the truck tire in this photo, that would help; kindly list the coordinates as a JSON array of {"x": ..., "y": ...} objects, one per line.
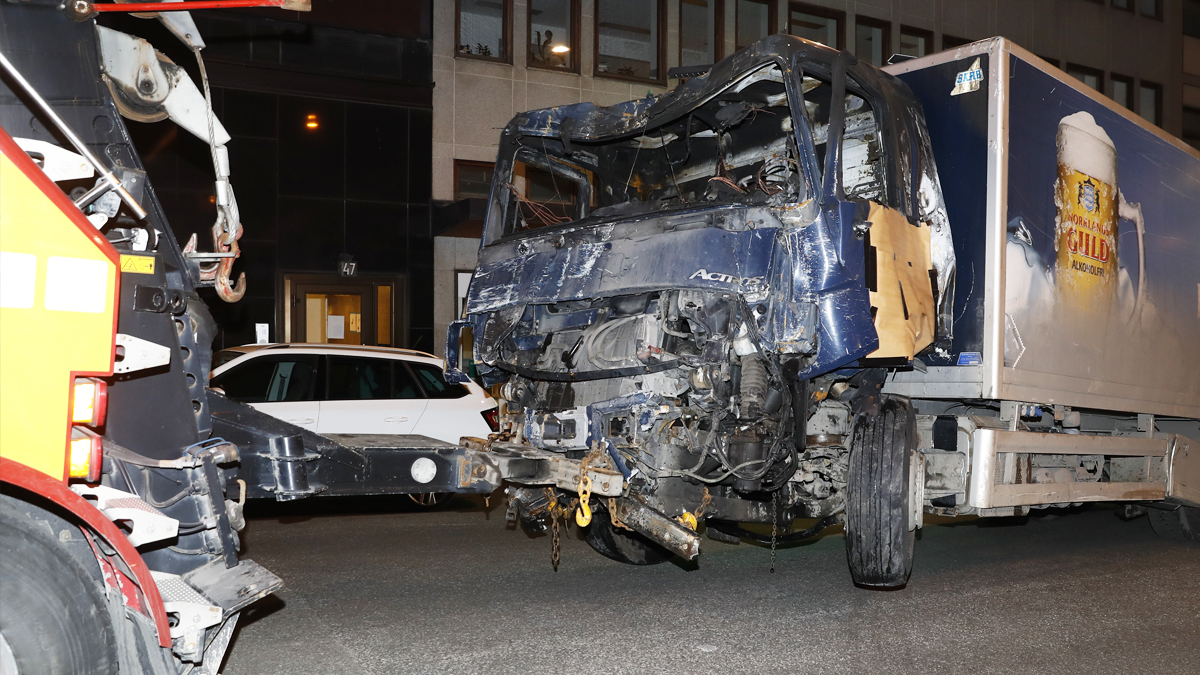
[
  {"x": 55, "y": 618},
  {"x": 879, "y": 545},
  {"x": 622, "y": 545},
  {"x": 1182, "y": 524}
]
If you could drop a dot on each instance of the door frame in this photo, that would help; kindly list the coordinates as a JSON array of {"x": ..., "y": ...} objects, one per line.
[{"x": 292, "y": 286}]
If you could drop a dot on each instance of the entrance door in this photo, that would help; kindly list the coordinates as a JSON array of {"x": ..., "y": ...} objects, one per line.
[{"x": 345, "y": 311}]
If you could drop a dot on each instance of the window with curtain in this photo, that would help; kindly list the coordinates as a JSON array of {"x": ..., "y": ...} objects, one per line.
[
  {"x": 816, "y": 23},
  {"x": 1150, "y": 102},
  {"x": 1089, "y": 76},
  {"x": 1122, "y": 90},
  {"x": 472, "y": 179},
  {"x": 552, "y": 39},
  {"x": 915, "y": 42},
  {"x": 1191, "y": 126},
  {"x": 755, "y": 21},
  {"x": 483, "y": 29},
  {"x": 629, "y": 39},
  {"x": 700, "y": 32},
  {"x": 872, "y": 40}
]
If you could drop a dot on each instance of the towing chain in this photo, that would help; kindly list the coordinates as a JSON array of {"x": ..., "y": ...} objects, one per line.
[
  {"x": 555, "y": 544},
  {"x": 613, "y": 517},
  {"x": 774, "y": 526},
  {"x": 703, "y": 504}
]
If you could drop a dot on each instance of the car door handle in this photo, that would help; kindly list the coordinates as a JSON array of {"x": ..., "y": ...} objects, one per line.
[
  {"x": 395, "y": 419},
  {"x": 306, "y": 420}
]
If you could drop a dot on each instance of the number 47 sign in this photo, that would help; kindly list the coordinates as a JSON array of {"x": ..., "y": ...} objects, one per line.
[{"x": 347, "y": 267}]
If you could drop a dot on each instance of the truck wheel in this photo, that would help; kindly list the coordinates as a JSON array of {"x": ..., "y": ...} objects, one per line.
[
  {"x": 879, "y": 545},
  {"x": 1183, "y": 523},
  {"x": 55, "y": 615},
  {"x": 620, "y": 544}
]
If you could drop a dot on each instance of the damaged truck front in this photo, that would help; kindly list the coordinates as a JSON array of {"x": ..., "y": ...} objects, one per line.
[{"x": 691, "y": 303}]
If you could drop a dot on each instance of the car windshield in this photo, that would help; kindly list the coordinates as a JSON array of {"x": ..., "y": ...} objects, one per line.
[
  {"x": 225, "y": 356},
  {"x": 738, "y": 147}
]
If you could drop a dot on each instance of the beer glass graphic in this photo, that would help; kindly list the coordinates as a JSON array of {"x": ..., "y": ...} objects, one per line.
[{"x": 1090, "y": 206}]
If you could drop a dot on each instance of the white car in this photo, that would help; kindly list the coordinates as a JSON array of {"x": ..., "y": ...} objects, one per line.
[{"x": 347, "y": 389}]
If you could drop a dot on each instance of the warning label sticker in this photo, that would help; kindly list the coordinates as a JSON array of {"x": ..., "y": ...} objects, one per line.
[{"x": 137, "y": 264}]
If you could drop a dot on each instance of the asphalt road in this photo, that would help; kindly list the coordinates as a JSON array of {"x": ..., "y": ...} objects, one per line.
[{"x": 379, "y": 586}]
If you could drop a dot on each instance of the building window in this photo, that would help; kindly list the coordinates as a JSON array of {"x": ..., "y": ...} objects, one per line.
[
  {"x": 1150, "y": 102},
  {"x": 472, "y": 179},
  {"x": 484, "y": 29},
  {"x": 915, "y": 42},
  {"x": 700, "y": 32},
  {"x": 1126, "y": 5},
  {"x": 1150, "y": 8},
  {"x": 872, "y": 40},
  {"x": 1191, "y": 126},
  {"x": 629, "y": 39},
  {"x": 554, "y": 34},
  {"x": 1051, "y": 61},
  {"x": 950, "y": 42},
  {"x": 1122, "y": 90},
  {"x": 1191, "y": 18},
  {"x": 818, "y": 24},
  {"x": 1089, "y": 76},
  {"x": 755, "y": 20}
]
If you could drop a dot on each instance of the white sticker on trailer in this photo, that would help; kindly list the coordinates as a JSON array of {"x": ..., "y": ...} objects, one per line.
[
  {"x": 76, "y": 285},
  {"x": 968, "y": 80}
]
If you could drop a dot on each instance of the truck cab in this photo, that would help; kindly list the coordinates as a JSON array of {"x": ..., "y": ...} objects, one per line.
[{"x": 676, "y": 283}]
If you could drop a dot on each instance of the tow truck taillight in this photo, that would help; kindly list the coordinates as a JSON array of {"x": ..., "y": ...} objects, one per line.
[
  {"x": 89, "y": 401},
  {"x": 492, "y": 417},
  {"x": 87, "y": 454}
]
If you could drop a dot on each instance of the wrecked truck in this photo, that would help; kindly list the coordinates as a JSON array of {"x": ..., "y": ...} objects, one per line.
[{"x": 799, "y": 286}]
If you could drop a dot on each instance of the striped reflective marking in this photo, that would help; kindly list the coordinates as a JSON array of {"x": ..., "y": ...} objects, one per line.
[
  {"x": 18, "y": 279},
  {"x": 76, "y": 285}
]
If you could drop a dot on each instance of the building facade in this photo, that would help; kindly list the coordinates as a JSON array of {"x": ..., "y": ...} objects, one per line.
[{"x": 493, "y": 59}]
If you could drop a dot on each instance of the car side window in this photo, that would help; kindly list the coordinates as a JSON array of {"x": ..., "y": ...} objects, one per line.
[
  {"x": 403, "y": 385},
  {"x": 293, "y": 380},
  {"x": 434, "y": 383},
  {"x": 270, "y": 379},
  {"x": 356, "y": 379},
  {"x": 247, "y": 382}
]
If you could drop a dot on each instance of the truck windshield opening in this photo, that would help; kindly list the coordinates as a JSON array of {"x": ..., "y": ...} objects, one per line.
[{"x": 738, "y": 147}]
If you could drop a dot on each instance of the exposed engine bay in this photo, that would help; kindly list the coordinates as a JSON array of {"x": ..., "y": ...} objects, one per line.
[{"x": 685, "y": 401}]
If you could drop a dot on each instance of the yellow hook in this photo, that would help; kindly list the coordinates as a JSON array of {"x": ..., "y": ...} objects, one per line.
[
  {"x": 583, "y": 516},
  {"x": 688, "y": 520}
]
